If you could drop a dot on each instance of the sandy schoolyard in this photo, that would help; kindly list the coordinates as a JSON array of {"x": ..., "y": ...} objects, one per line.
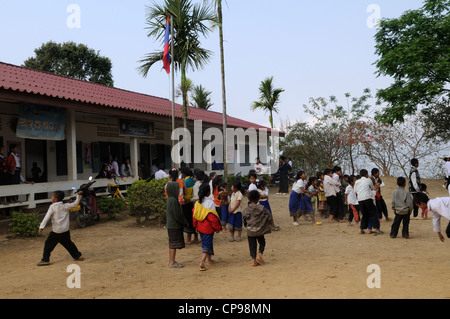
[{"x": 302, "y": 262}]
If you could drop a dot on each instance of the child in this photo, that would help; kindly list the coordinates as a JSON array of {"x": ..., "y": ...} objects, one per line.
[
  {"x": 264, "y": 200},
  {"x": 252, "y": 186},
  {"x": 257, "y": 219},
  {"x": 175, "y": 223},
  {"x": 424, "y": 211},
  {"x": 439, "y": 207},
  {"x": 207, "y": 222},
  {"x": 402, "y": 206},
  {"x": 296, "y": 202},
  {"x": 235, "y": 211},
  {"x": 58, "y": 212},
  {"x": 323, "y": 205},
  {"x": 224, "y": 202},
  {"x": 311, "y": 193},
  {"x": 352, "y": 201}
]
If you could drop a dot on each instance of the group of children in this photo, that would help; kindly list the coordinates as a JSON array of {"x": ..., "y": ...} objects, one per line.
[
  {"x": 205, "y": 208},
  {"x": 201, "y": 206}
]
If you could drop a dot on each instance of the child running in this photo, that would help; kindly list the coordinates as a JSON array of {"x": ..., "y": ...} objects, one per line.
[
  {"x": 207, "y": 222},
  {"x": 58, "y": 212},
  {"x": 257, "y": 220}
]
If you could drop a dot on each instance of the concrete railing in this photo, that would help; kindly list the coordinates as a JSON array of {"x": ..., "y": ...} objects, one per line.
[{"x": 27, "y": 192}]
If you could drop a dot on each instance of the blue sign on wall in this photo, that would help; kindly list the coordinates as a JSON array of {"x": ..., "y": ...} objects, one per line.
[{"x": 41, "y": 122}]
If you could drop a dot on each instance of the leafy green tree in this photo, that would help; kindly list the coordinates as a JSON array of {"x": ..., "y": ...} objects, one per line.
[
  {"x": 269, "y": 97},
  {"x": 201, "y": 97},
  {"x": 72, "y": 60},
  {"x": 414, "y": 50},
  {"x": 191, "y": 22}
]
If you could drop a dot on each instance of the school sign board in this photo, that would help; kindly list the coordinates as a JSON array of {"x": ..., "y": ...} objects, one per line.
[{"x": 41, "y": 122}]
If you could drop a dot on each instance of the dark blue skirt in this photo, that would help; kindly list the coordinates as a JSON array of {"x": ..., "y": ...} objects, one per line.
[{"x": 296, "y": 202}]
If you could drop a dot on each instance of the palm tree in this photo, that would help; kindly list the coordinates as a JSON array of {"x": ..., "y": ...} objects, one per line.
[
  {"x": 269, "y": 98},
  {"x": 190, "y": 23},
  {"x": 218, "y": 7},
  {"x": 201, "y": 97}
]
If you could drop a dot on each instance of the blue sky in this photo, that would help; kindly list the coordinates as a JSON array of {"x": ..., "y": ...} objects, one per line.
[{"x": 311, "y": 48}]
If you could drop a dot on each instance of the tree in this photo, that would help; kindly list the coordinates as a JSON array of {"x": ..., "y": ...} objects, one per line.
[
  {"x": 201, "y": 97},
  {"x": 269, "y": 97},
  {"x": 72, "y": 60},
  {"x": 190, "y": 23},
  {"x": 218, "y": 7},
  {"x": 343, "y": 119},
  {"x": 414, "y": 50}
]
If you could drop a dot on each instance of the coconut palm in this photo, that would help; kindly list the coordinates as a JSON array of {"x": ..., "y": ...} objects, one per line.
[
  {"x": 268, "y": 99},
  {"x": 200, "y": 97},
  {"x": 190, "y": 24}
]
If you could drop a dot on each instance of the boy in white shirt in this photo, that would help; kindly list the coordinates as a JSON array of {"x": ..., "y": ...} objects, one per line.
[
  {"x": 439, "y": 207},
  {"x": 352, "y": 201},
  {"x": 58, "y": 212}
]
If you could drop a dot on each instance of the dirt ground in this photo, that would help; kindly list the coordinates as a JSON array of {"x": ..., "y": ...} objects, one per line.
[{"x": 330, "y": 261}]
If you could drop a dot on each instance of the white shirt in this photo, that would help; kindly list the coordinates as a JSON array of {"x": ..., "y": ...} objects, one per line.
[
  {"x": 125, "y": 170},
  {"x": 363, "y": 189},
  {"x": 299, "y": 185},
  {"x": 447, "y": 168},
  {"x": 439, "y": 207},
  {"x": 59, "y": 214},
  {"x": 259, "y": 168},
  {"x": 252, "y": 187},
  {"x": 115, "y": 165},
  {"x": 329, "y": 185},
  {"x": 337, "y": 178},
  {"x": 208, "y": 203},
  {"x": 351, "y": 196},
  {"x": 16, "y": 157},
  {"x": 264, "y": 192},
  {"x": 161, "y": 174}
]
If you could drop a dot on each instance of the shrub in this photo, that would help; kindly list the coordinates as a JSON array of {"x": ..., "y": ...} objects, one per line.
[
  {"x": 25, "y": 224},
  {"x": 111, "y": 206},
  {"x": 147, "y": 197}
]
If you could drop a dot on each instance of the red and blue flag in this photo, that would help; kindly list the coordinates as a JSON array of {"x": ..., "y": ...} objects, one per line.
[{"x": 166, "y": 56}]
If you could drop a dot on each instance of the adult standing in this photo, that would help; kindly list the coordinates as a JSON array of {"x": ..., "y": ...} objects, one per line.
[
  {"x": 14, "y": 167},
  {"x": 283, "y": 171},
  {"x": 125, "y": 168},
  {"x": 414, "y": 182},
  {"x": 364, "y": 191}
]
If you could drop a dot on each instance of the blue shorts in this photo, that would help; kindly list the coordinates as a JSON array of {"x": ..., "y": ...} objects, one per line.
[
  {"x": 235, "y": 221},
  {"x": 224, "y": 215}
]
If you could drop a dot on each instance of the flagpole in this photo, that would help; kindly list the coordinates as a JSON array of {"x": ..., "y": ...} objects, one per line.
[{"x": 172, "y": 60}]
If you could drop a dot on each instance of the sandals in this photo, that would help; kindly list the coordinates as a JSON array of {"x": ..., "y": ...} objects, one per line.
[{"x": 176, "y": 265}]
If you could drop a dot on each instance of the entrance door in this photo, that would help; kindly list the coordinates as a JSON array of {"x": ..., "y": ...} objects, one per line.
[
  {"x": 144, "y": 160},
  {"x": 35, "y": 161}
]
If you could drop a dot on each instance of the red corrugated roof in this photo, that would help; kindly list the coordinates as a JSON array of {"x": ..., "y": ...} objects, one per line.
[{"x": 26, "y": 80}]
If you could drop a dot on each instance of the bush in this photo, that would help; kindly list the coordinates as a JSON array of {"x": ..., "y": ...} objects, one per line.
[
  {"x": 25, "y": 224},
  {"x": 147, "y": 197},
  {"x": 111, "y": 206}
]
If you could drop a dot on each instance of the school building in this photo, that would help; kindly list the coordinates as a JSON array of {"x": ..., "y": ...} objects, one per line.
[{"x": 68, "y": 128}]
